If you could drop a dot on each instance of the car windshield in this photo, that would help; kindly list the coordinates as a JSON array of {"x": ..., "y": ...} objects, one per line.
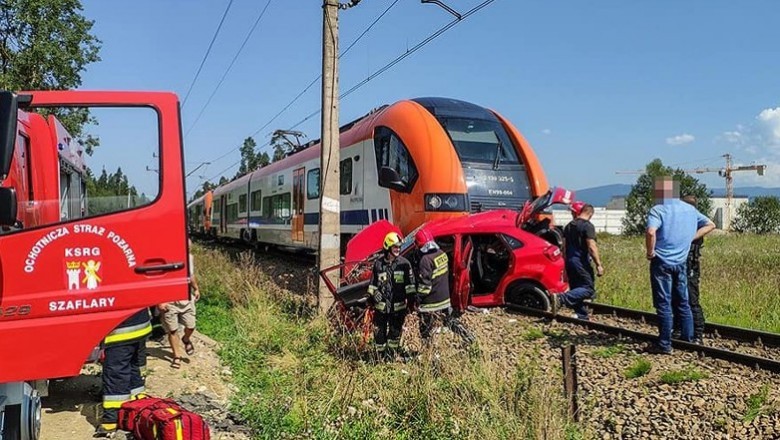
[{"x": 480, "y": 141}]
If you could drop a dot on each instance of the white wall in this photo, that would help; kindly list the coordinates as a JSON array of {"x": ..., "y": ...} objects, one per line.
[{"x": 605, "y": 220}]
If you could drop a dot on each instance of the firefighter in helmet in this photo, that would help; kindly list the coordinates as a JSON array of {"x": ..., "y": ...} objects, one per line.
[
  {"x": 392, "y": 282},
  {"x": 433, "y": 289},
  {"x": 124, "y": 356}
]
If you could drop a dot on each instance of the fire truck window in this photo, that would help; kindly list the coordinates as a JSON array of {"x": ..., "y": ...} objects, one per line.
[{"x": 74, "y": 163}]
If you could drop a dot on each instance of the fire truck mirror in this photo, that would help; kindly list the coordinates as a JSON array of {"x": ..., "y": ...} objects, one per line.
[
  {"x": 7, "y": 207},
  {"x": 8, "y": 108}
]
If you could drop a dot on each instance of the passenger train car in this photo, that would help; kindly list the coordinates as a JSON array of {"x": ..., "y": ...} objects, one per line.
[{"x": 410, "y": 162}]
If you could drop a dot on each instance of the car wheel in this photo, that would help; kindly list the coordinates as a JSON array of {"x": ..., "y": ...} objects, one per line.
[{"x": 529, "y": 295}]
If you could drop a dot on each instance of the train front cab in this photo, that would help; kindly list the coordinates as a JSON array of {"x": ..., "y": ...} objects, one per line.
[{"x": 442, "y": 158}]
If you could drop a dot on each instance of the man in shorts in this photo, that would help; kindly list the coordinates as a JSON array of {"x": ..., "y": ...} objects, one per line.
[{"x": 182, "y": 312}]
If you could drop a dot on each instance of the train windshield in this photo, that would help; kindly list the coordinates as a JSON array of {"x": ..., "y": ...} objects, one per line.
[{"x": 480, "y": 141}]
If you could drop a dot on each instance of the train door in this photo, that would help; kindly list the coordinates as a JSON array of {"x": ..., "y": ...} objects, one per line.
[
  {"x": 222, "y": 214},
  {"x": 297, "y": 220}
]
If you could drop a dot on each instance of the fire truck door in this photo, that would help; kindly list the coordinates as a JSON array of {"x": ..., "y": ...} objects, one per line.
[{"x": 66, "y": 283}]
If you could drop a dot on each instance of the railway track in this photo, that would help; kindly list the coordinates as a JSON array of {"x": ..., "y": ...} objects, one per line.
[
  {"x": 749, "y": 360},
  {"x": 717, "y": 330}
]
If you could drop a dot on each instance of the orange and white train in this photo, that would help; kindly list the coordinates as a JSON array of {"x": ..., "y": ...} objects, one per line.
[{"x": 410, "y": 162}]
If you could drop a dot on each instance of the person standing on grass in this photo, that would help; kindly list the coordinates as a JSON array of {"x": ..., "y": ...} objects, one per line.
[
  {"x": 579, "y": 249},
  {"x": 694, "y": 272},
  {"x": 671, "y": 227},
  {"x": 182, "y": 312},
  {"x": 392, "y": 282}
]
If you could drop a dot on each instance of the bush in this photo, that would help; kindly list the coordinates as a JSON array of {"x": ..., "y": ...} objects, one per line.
[{"x": 759, "y": 216}]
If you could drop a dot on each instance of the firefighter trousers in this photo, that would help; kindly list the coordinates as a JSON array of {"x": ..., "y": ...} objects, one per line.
[
  {"x": 387, "y": 330},
  {"x": 122, "y": 380}
]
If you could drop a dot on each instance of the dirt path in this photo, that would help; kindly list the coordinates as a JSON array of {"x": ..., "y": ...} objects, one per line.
[{"x": 72, "y": 408}]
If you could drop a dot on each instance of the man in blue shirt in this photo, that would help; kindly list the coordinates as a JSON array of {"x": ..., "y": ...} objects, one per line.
[{"x": 671, "y": 227}]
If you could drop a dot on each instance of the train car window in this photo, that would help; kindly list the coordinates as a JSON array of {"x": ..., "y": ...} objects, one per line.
[
  {"x": 232, "y": 213},
  {"x": 345, "y": 174},
  {"x": 391, "y": 152},
  {"x": 256, "y": 202},
  {"x": 280, "y": 180},
  {"x": 313, "y": 184},
  {"x": 277, "y": 209},
  {"x": 242, "y": 203},
  {"x": 480, "y": 141}
]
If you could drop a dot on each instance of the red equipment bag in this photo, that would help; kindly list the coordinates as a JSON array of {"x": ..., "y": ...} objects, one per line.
[{"x": 161, "y": 419}]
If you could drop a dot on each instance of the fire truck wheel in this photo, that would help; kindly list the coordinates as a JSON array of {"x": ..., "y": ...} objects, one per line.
[
  {"x": 527, "y": 294},
  {"x": 12, "y": 429}
]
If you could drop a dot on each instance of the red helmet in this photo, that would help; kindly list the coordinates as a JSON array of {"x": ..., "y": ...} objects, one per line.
[
  {"x": 576, "y": 207},
  {"x": 421, "y": 237}
]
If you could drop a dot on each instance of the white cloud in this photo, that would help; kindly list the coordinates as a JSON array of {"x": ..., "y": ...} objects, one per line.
[
  {"x": 546, "y": 131},
  {"x": 733, "y": 137},
  {"x": 680, "y": 139},
  {"x": 769, "y": 125}
]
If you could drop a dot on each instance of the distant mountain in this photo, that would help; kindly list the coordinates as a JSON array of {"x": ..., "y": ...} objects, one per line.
[{"x": 600, "y": 195}]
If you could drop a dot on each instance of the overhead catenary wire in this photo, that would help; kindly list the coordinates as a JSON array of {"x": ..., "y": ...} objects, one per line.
[
  {"x": 401, "y": 57},
  {"x": 224, "y": 75},
  {"x": 206, "y": 55},
  {"x": 378, "y": 72},
  {"x": 312, "y": 83}
]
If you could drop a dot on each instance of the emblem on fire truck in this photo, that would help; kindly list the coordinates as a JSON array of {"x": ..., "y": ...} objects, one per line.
[{"x": 90, "y": 270}]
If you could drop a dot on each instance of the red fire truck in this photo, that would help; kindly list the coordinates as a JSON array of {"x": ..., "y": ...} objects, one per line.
[{"x": 68, "y": 277}]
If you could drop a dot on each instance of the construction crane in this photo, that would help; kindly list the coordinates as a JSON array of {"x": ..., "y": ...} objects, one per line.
[{"x": 722, "y": 172}]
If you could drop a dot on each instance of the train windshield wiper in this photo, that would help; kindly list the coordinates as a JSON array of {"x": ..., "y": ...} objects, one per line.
[{"x": 498, "y": 153}]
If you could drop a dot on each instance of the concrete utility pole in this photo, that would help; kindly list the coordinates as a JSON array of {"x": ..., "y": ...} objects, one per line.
[{"x": 330, "y": 211}]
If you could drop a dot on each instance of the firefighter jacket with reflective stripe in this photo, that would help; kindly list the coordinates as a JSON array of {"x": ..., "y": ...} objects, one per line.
[
  {"x": 131, "y": 329},
  {"x": 433, "y": 287},
  {"x": 391, "y": 284}
]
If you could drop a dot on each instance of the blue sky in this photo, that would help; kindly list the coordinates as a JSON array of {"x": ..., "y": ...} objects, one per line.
[{"x": 596, "y": 87}]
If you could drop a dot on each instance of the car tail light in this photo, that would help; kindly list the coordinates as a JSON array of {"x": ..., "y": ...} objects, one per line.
[{"x": 552, "y": 253}]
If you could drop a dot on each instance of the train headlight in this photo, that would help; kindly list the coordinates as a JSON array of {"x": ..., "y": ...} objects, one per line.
[{"x": 445, "y": 202}]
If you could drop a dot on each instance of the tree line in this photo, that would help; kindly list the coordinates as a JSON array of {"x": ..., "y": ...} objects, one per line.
[{"x": 761, "y": 215}]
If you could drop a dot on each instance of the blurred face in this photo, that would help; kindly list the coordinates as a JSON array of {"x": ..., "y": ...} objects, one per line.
[
  {"x": 395, "y": 251},
  {"x": 665, "y": 188}
]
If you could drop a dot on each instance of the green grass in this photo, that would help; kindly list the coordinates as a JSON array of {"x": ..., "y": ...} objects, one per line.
[
  {"x": 739, "y": 282},
  {"x": 298, "y": 379},
  {"x": 639, "y": 368},
  {"x": 686, "y": 375},
  {"x": 533, "y": 334},
  {"x": 609, "y": 351},
  {"x": 755, "y": 403}
]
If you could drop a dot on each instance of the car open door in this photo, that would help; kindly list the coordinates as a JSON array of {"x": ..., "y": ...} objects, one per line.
[
  {"x": 459, "y": 298},
  {"x": 64, "y": 285}
]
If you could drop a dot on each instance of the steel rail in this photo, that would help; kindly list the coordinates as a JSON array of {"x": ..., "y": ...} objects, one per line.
[
  {"x": 703, "y": 350},
  {"x": 719, "y": 330}
]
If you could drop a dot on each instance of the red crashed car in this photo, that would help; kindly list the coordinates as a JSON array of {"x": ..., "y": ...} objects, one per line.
[{"x": 496, "y": 257}]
